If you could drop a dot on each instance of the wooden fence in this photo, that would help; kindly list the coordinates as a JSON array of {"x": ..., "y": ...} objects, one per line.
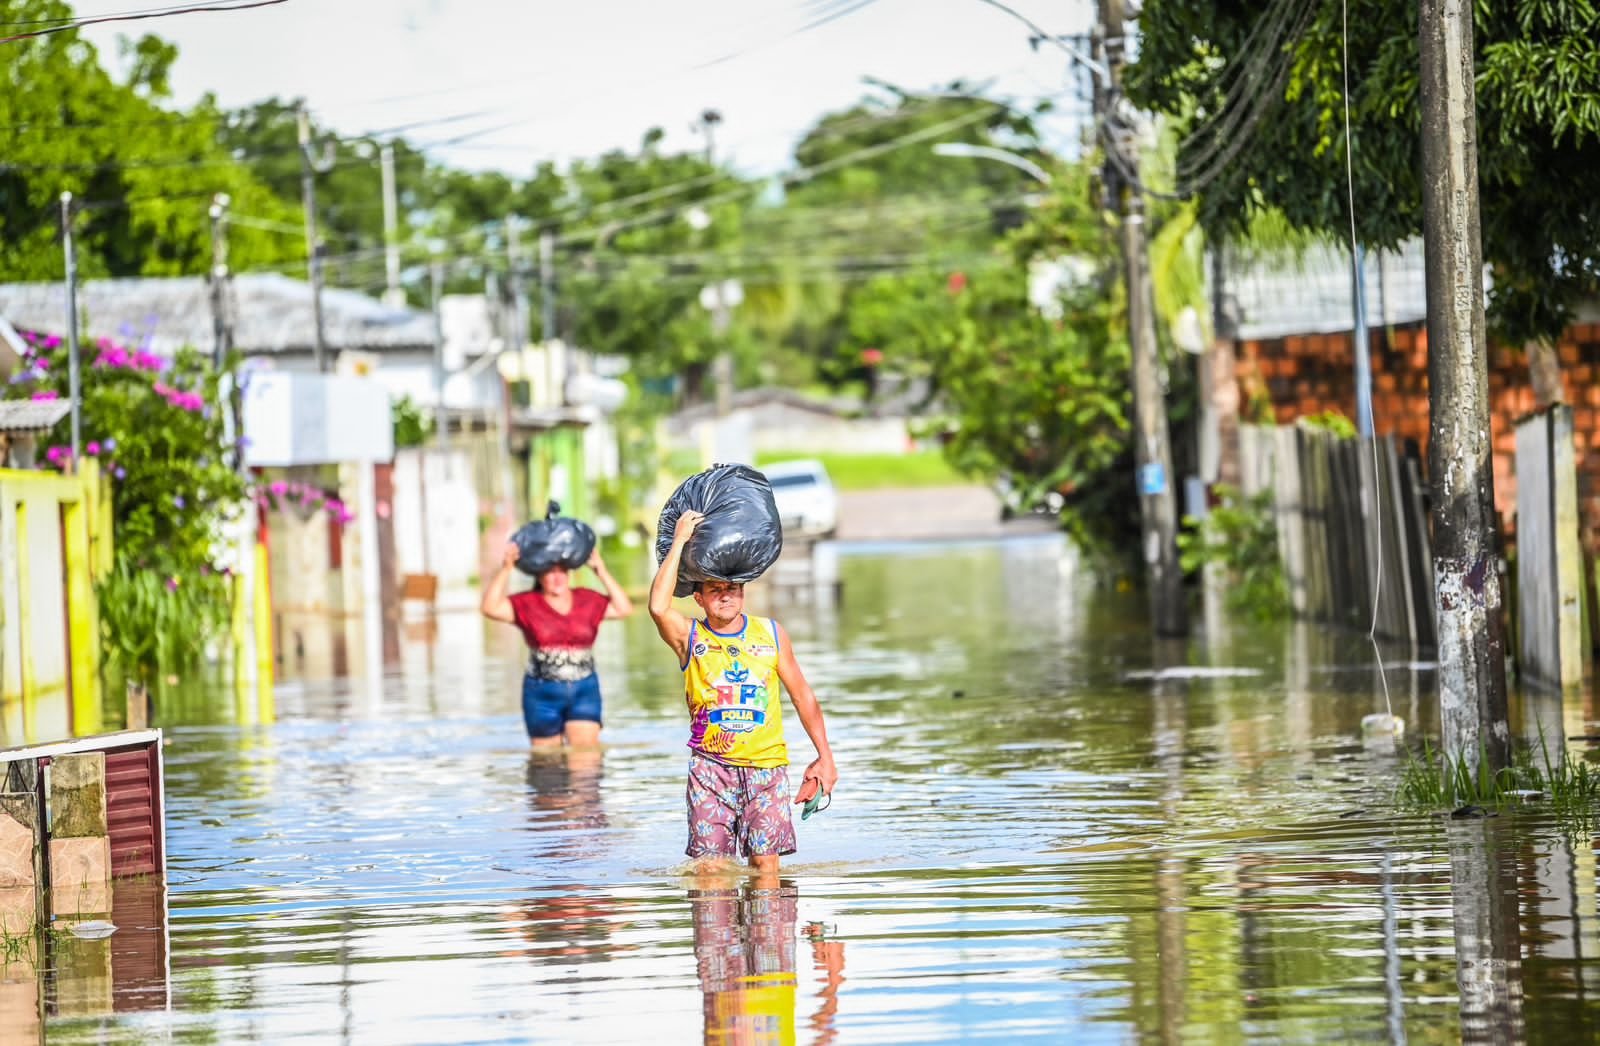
[
  {"x": 1549, "y": 596},
  {"x": 1352, "y": 527}
]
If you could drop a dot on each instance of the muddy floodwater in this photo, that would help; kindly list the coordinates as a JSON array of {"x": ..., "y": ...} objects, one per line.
[{"x": 1041, "y": 832}]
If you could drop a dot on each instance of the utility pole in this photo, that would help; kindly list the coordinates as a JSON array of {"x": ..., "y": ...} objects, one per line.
[
  {"x": 516, "y": 337},
  {"x": 221, "y": 320},
  {"x": 308, "y": 194},
  {"x": 722, "y": 363},
  {"x": 435, "y": 297},
  {"x": 547, "y": 305},
  {"x": 1169, "y": 615},
  {"x": 1471, "y": 655},
  {"x": 392, "y": 294},
  {"x": 74, "y": 367}
]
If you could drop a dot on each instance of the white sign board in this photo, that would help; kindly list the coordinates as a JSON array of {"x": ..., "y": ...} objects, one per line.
[{"x": 316, "y": 419}]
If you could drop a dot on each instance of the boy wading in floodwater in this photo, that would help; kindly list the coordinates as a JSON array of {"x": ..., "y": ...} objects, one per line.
[{"x": 738, "y": 763}]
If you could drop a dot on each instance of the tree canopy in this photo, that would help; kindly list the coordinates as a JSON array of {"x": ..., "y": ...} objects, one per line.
[{"x": 1259, "y": 97}]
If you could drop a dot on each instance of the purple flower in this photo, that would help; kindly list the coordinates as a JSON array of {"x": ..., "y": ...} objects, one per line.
[
  {"x": 120, "y": 472},
  {"x": 177, "y": 500},
  {"x": 172, "y": 584},
  {"x": 46, "y": 394},
  {"x": 109, "y": 444}
]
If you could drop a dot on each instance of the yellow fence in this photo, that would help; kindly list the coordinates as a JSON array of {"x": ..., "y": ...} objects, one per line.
[{"x": 55, "y": 543}]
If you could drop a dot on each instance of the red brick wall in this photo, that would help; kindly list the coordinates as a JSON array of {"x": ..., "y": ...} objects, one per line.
[{"x": 1309, "y": 374}]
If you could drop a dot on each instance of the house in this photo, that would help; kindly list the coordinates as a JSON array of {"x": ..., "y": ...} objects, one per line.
[
  {"x": 782, "y": 420},
  {"x": 1294, "y": 356}
]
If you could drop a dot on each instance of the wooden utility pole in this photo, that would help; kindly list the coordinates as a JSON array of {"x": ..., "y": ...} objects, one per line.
[
  {"x": 308, "y": 198},
  {"x": 221, "y": 321},
  {"x": 1472, "y": 680},
  {"x": 1169, "y": 614}
]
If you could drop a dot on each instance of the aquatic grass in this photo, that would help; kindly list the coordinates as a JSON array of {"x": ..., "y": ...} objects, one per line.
[
  {"x": 1433, "y": 780},
  {"x": 15, "y": 946}
]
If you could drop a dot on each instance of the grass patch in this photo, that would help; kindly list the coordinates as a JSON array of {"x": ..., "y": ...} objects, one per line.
[
  {"x": 1431, "y": 780},
  {"x": 919, "y": 468}
]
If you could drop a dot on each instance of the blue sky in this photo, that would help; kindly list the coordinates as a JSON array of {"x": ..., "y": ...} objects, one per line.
[{"x": 559, "y": 80}]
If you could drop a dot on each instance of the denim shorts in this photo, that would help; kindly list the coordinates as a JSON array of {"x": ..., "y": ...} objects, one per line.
[{"x": 548, "y": 705}]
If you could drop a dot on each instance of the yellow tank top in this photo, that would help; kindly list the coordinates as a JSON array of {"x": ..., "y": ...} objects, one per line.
[{"x": 731, "y": 685}]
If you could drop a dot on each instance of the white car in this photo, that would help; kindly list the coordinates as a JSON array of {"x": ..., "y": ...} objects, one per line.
[{"x": 807, "y": 504}]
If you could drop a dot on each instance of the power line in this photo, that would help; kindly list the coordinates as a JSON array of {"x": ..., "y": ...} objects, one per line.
[{"x": 138, "y": 16}]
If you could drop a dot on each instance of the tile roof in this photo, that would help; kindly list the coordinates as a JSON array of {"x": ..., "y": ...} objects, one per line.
[
  {"x": 1312, "y": 293},
  {"x": 31, "y": 415},
  {"x": 273, "y": 314}
]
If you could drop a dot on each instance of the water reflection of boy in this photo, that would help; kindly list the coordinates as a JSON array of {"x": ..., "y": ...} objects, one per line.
[
  {"x": 560, "y": 691},
  {"x": 744, "y": 947},
  {"x": 738, "y": 788}
]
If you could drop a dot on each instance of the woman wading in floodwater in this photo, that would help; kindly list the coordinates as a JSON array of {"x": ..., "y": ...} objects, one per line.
[{"x": 560, "y": 691}]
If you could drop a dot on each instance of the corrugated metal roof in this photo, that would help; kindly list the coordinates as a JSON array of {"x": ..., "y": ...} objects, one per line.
[
  {"x": 31, "y": 415},
  {"x": 273, "y": 314},
  {"x": 1313, "y": 293}
]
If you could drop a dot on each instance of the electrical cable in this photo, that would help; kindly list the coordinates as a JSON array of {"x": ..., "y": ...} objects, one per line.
[{"x": 137, "y": 16}]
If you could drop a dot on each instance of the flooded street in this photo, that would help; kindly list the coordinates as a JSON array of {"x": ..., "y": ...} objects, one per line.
[{"x": 1036, "y": 835}]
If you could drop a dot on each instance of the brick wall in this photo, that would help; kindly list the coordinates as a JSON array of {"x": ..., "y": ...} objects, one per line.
[{"x": 1309, "y": 374}]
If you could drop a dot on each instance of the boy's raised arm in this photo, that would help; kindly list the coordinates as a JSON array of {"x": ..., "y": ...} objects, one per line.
[{"x": 673, "y": 626}]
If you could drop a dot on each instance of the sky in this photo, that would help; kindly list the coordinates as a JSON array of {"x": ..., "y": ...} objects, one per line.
[{"x": 521, "y": 83}]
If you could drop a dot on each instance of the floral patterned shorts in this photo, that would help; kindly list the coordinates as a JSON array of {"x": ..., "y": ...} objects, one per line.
[{"x": 738, "y": 811}]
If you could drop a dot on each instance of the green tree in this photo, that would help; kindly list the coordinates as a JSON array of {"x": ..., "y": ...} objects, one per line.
[
  {"x": 1208, "y": 62},
  {"x": 155, "y": 425},
  {"x": 143, "y": 175}
]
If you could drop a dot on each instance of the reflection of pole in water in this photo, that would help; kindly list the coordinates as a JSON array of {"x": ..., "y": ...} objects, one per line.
[
  {"x": 1170, "y": 723},
  {"x": 1393, "y": 992},
  {"x": 1483, "y": 891}
]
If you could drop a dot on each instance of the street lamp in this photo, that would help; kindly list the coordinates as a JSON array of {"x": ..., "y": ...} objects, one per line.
[{"x": 989, "y": 152}]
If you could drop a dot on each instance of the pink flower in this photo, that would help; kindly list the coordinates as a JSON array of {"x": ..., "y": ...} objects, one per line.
[
  {"x": 958, "y": 282},
  {"x": 172, "y": 584},
  {"x": 46, "y": 394},
  {"x": 92, "y": 448},
  {"x": 872, "y": 357},
  {"x": 279, "y": 488},
  {"x": 41, "y": 363}
]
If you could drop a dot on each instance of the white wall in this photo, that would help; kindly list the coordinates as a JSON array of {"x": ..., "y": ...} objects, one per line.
[{"x": 452, "y": 515}]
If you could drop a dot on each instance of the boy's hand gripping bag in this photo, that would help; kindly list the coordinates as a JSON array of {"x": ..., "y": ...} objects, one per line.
[
  {"x": 553, "y": 541},
  {"x": 740, "y": 536}
]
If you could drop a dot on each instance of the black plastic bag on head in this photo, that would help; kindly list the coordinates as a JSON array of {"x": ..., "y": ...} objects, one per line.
[
  {"x": 555, "y": 540},
  {"x": 740, "y": 536}
]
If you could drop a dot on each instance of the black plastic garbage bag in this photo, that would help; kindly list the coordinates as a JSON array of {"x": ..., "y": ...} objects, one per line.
[
  {"x": 555, "y": 540},
  {"x": 740, "y": 536}
]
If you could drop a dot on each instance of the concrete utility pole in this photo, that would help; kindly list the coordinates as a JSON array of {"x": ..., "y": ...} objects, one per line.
[
  {"x": 1472, "y": 680},
  {"x": 74, "y": 367},
  {"x": 1169, "y": 613},
  {"x": 722, "y": 363},
  {"x": 435, "y": 297},
  {"x": 392, "y": 294},
  {"x": 221, "y": 320},
  {"x": 308, "y": 195}
]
